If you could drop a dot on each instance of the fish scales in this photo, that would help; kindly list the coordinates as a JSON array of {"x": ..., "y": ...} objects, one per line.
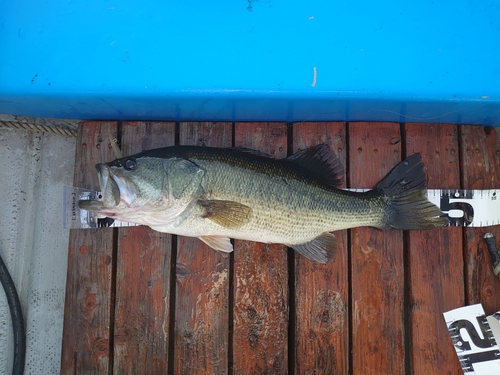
[
  {"x": 287, "y": 207},
  {"x": 283, "y": 210},
  {"x": 217, "y": 194}
]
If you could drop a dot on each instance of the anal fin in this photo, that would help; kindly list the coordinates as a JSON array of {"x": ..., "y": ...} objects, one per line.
[{"x": 322, "y": 249}]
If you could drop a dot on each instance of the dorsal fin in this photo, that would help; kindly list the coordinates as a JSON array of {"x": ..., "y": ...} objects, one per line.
[{"x": 322, "y": 162}]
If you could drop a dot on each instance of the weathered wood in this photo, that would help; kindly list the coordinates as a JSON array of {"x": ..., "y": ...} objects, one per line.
[
  {"x": 321, "y": 298},
  {"x": 202, "y": 283},
  {"x": 377, "y": 259},
  {"x": 435, "y": 256},
  {"x": 203, "y": 340},
  {"x": 480, "y": 150},
  {"x": 86, "y": 333},
  {"x": 260, "y": 336},
  {"x": 143, "y": 275}
]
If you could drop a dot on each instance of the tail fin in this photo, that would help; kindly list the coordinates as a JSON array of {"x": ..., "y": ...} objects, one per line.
[{"x": 406, "y": 189}]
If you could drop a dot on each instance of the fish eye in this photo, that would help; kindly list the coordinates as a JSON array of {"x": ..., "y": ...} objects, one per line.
[{"x": 130, "y": 165}]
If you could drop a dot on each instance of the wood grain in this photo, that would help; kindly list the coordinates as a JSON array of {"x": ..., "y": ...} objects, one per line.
[
  {"x": 377, "y": 259},
  {"x": 321, "y": 298},
  {"x": 260, "y": 336},
  {"x": 86, "y": 335},
  {"x": 143, "y": 275},
  {"x": 202, "y": 282},
  {"x": 435, "y": 256},
  {"x": 243, "y": 328},
  {"x": 480, "y": 151}
]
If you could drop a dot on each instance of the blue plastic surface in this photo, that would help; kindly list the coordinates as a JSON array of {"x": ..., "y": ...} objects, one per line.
[{"x": 434, "y": 61}]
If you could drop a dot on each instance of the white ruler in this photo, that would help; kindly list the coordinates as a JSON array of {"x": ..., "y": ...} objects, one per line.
[
  {"x": 475, "y": 337},
  {"x": 466, "y": 208}
]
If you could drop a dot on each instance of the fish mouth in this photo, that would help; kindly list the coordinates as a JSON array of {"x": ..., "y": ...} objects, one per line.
[
  {"x": 91, "y": 205},
  {"x": 110, "y": 191},
  {"x": 103, "y": 176}
]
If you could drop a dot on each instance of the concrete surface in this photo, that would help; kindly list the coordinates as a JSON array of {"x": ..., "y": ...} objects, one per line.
[{"x": 33, "y": 242}]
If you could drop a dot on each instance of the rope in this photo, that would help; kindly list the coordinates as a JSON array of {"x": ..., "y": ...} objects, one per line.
[{"x": 40, "y": 128}]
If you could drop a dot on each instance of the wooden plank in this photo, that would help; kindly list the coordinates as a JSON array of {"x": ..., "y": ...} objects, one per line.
[
  {"x": 480, "y": 150},
  {"x": 321, "y": 298},
  {"x": 86, "y": 334},
  {"x": 202, "y": 283},
  {"x": 260, "y": 336},
  {"x": 377, "y": 259},
  {"x": 435, "y": 257},
  {"x": 143, "y": 275}
]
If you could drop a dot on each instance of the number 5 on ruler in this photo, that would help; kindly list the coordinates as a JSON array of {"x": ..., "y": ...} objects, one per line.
[{"x": 466, "y": 211}]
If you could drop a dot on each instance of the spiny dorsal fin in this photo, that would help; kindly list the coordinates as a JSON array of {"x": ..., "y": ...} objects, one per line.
[
  {"x": 322, "y": 249},
  {"x": 322, "y": 162},
  {"x": 228, "y": 214}
]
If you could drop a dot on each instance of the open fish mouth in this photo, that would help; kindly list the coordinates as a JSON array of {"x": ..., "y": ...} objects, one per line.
[
  {"x": 110, "y": 191},
  {"x": 103, "y": 176}
]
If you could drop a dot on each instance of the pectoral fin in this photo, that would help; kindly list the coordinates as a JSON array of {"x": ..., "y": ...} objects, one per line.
[
  {"x": 322, "y": 249},
  {"x": 228, "y": 214},
  {"x": 218, "y": 243}
]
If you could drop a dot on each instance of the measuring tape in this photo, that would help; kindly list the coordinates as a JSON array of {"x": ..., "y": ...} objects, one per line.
[
  {"x": 468, "y": 208},
  {"x": 475, "y": 337},
  {"x": 464, "y": 208}
]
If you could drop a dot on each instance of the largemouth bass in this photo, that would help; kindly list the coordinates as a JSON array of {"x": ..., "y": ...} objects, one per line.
[{"x": 217, "y": 194}]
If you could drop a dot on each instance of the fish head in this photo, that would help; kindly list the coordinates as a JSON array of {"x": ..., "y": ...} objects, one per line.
[
  {"x": 129, "y": 186},
  {"x": 145, "y": 190}
]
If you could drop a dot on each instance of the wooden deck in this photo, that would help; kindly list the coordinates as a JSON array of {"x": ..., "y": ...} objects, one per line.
[{"x": 143, "y": 302}]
